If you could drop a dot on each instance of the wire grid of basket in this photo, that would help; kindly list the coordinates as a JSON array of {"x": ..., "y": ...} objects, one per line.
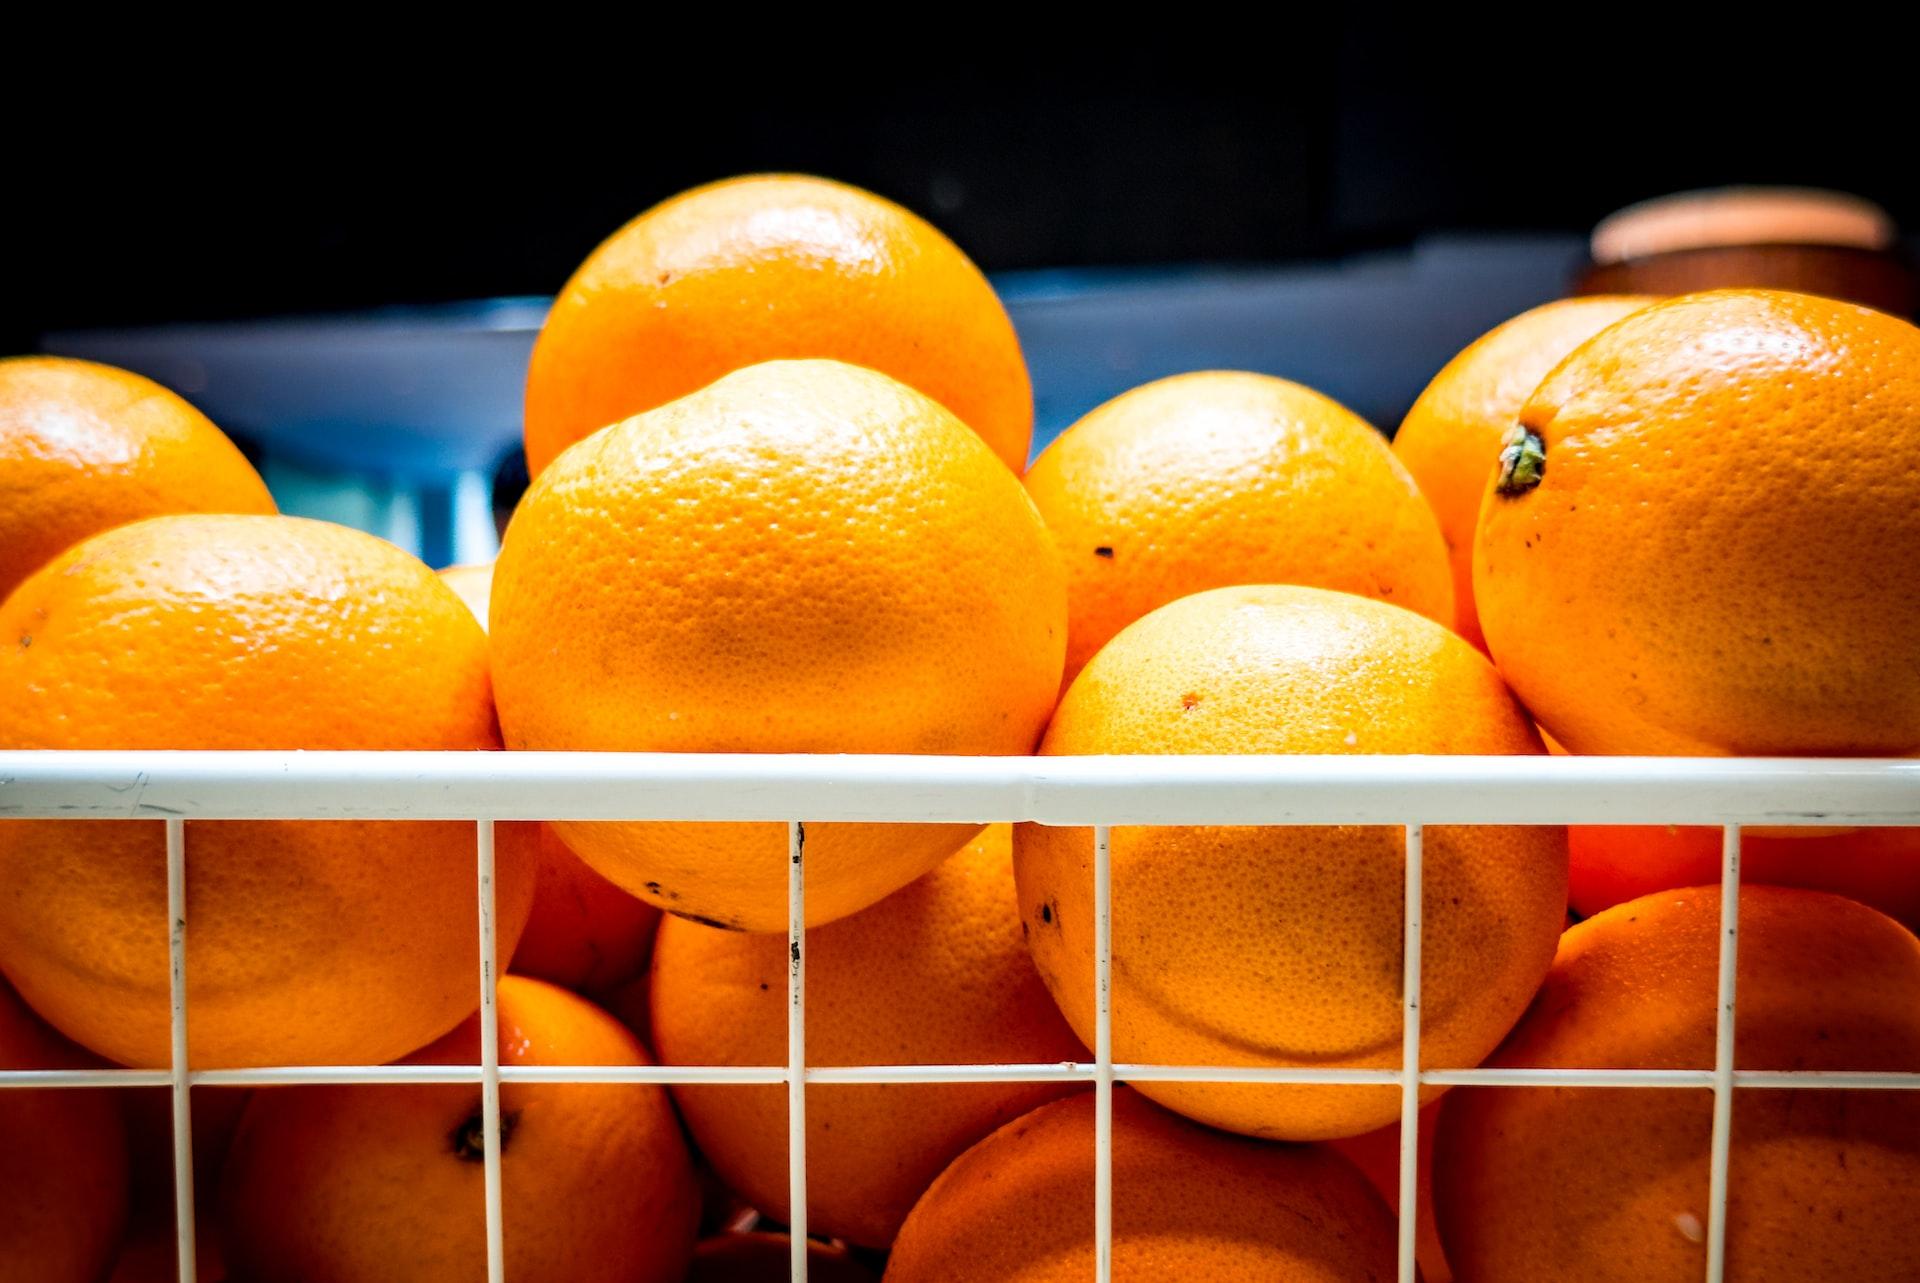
[{"x": 1408, "y": 792}]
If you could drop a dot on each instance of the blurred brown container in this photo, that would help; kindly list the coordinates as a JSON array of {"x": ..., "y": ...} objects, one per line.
[{"x": 1817, "y": 242}]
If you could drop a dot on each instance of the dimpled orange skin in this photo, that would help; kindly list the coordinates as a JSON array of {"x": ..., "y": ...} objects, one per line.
[
  {"x": 312, "y": 942},
  {"x": 1610, "y": 1186},
  {"x": 935, "y": 974},
  {"x": 765, "y": 1258},
  {"x": 584, "y": 933},
  {"x": 1722, "y": 555},
  {"x": 63, "y": 1162},
  {"x": 385, "y": 1183},
  {"x": 805, "y": 557},
  {"x": 773, "y": 267},
  {"x": 1452, "y": 436},
  {"x": 1223, "y": 477},
  {"x": 1282, "y": 946},
  {"x": 86, "y": 447},
  {"x": 1188, "y": 1203}
]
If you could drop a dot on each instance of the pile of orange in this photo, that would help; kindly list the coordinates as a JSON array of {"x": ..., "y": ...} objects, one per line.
[{"x": 782, "y": 503}]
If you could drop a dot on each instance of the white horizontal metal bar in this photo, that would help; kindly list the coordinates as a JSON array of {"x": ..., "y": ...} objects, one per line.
[
  {"x": 1761, "y": 1079},
  {"x": 1033, "y": 1073},
  {"x": 1056, "y": 790},
  {"x": 1568, "y": 1077},
  {"x": 335, "y": 1075},
  {"x": 1802, "y": 1079},
  {"x": 1256, "y": 1074},
  {"x": 661, "y": 1075},
  {"x": 320, "y": 1075},
  {"x": 678, "y": 1075},
  {"x": 85, "y": 1078}
]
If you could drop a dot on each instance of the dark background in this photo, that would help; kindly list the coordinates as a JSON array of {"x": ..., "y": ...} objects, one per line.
[{"x": 151, "y": 191}]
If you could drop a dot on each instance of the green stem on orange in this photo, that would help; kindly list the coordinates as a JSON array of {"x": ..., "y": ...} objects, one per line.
[{"x": 1523, "y": 462}]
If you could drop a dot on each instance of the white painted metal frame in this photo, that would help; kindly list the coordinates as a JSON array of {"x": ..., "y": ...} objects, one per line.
[{"x": 1101, "y": 792}]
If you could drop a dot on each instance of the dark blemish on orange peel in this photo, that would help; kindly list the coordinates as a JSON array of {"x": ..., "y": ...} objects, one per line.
[{"x": 470, "y": 1138}]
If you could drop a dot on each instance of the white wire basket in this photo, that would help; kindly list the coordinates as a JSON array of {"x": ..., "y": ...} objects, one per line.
[{"x": 1410, "y": 792}]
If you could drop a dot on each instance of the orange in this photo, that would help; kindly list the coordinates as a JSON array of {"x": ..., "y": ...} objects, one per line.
[
  {"x": 764, "y": 1258},
  {"x": 1207, "y": 480},
  {"x": 1705, "y": 542},
  {"x": 1283, "y": 946},
  {"x": 1878, "y": 866},
  {"x": 584, "y": 933},
  {"x": 1451, "y": 438},
  {"x": 771, "y": 267},
  {"x": 312, "y": 942},
  {"x": 63, "y": 1162},
  {"x": 935, "y": 974},
  {"x": 386, "y": 1183},
  {"x": 1607, "y": 1185},
  {"x": 85, "y": 448},
  {"x": 1377, "y": 1155},
  {"x": 1188, "y": 1203},
  {"x": 805, "y": 557}
]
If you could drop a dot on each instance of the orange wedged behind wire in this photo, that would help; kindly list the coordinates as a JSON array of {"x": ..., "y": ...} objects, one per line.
[
  {"x": 1282, "y": 946},
  {"x": 773, "y": 267},
  {"x": 311, "y": 941},
  {"x": 1188, "y": 1204},
  {"x": 937, "y": 973},
  {"x": 805, "y": 557},
  {"x": 1703, "y": 539},
  {"x": 86, "y": 447},
  {"x": 63, "y": 1162},
  {"x": 386, "y": 1182},
  {"x": 1611, "y": 1186}
]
